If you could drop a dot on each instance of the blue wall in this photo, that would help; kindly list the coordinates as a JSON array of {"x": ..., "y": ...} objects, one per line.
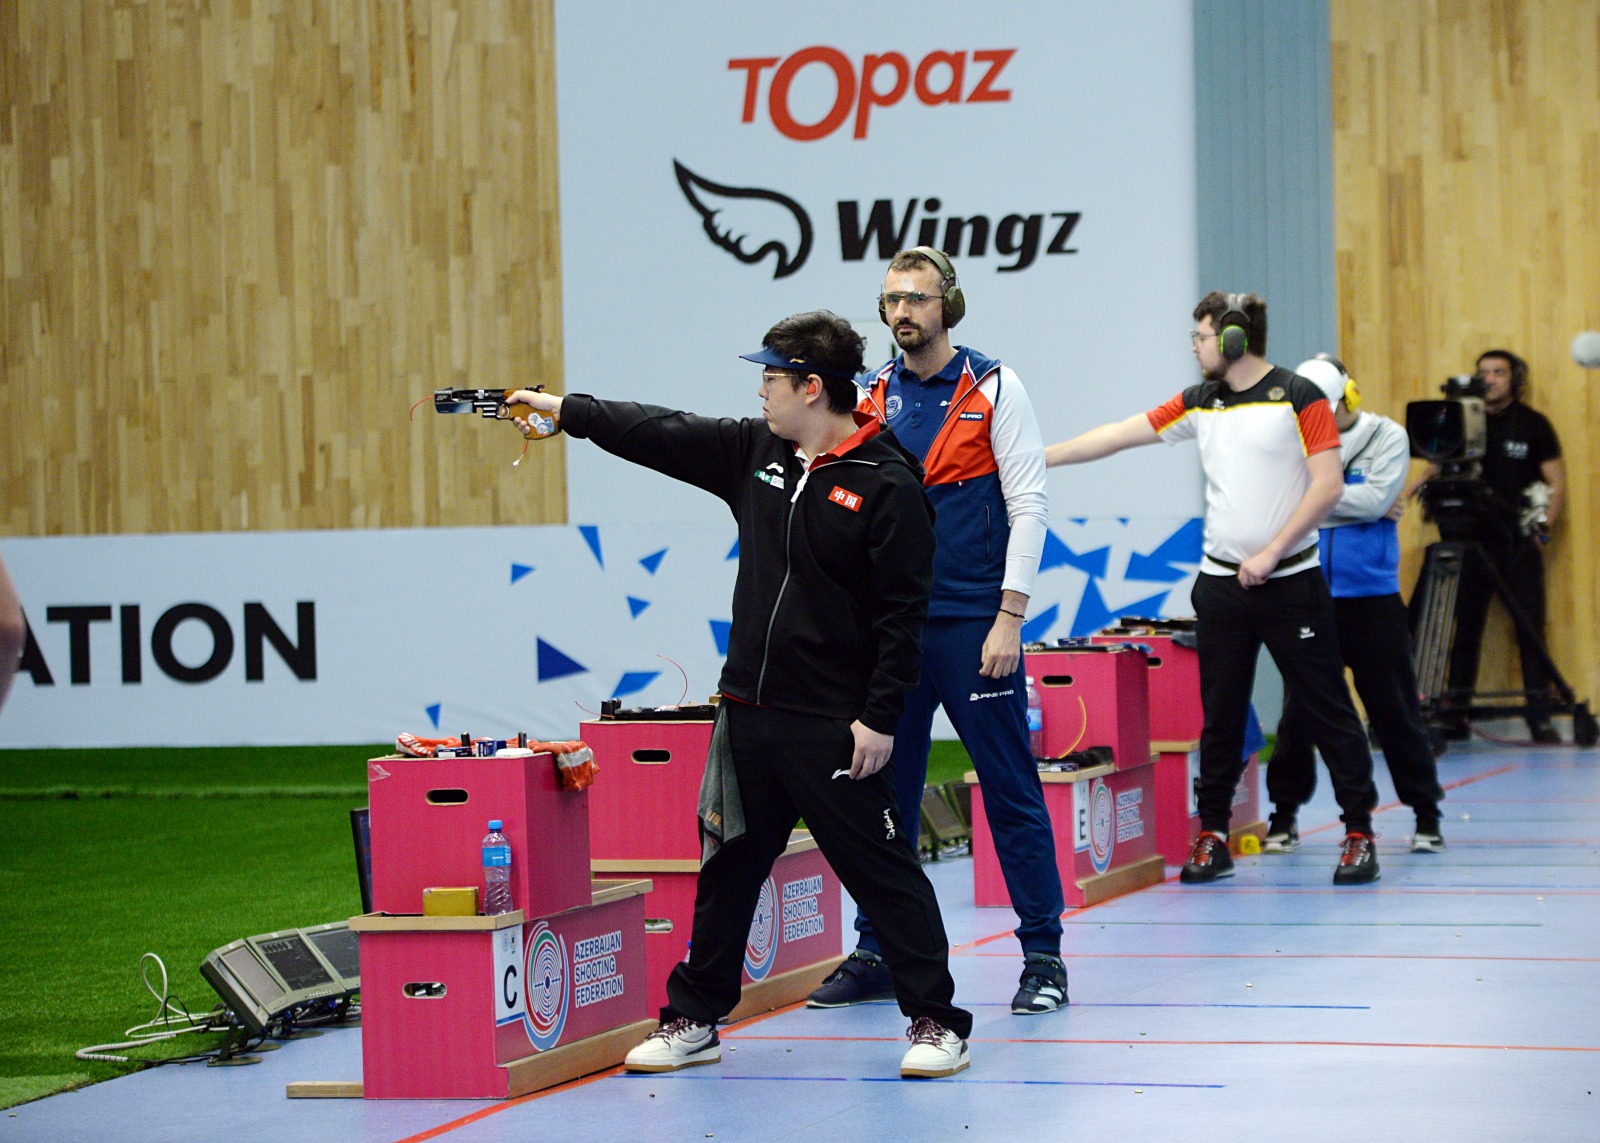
[{"x": 1264, "y": 133}]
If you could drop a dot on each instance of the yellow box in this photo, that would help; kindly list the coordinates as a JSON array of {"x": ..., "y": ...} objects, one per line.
[{"x": 450, "y": 902}]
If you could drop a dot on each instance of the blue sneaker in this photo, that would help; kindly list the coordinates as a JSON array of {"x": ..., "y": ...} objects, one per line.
[{"x": 860, "y": 978}]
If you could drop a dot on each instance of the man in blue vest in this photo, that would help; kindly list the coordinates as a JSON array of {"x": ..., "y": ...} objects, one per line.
[{"x": 969, "y": 421}]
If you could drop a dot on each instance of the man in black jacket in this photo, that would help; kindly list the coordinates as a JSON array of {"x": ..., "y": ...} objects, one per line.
[{"x": 835, "y": 566}]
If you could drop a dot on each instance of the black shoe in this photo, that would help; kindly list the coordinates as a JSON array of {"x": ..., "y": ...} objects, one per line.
[
  {"x": 1283, "y": 835},
  {"x": 1543, "y": 733},
  {"x": 1358, "y": 860},
  {"x": 1043, "y": 987},
  {"x": 1455, "y": 730},
  {"x": 1209, "y": 859},
  {"x": 860, "y": 978}
]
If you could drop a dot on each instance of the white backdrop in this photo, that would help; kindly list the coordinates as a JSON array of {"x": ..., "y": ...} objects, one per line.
[
  {"x": 1096, "y": 120},
  {"x": 436, "y": 631},
  {"x": 699, "y": 148}
]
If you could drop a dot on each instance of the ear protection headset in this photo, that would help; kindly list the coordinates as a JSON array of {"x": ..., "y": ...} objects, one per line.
[
  {"x": 1233, "y": 336},
  {"x": 1352, "y": 395},
  {"x": 954, "y": 302}
]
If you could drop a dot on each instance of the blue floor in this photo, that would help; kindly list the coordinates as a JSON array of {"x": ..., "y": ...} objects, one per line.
[{"x": 1456, "y": 999}]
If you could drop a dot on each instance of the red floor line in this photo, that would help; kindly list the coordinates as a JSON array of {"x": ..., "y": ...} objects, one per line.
[
  {"x": 484, "y": 1113},
  {"x": 1320, "y": 956},
  {"x": 1200, "y": 1043},
  {"x": 964, "y": 948},
  {"x": 1398, "y": 890},
  {"x": 1395, "y": 805},
  {"x": 961, "y": 949},
  {"x": 1528, "y": 802}
]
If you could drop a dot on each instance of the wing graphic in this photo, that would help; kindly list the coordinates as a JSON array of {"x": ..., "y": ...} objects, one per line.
[{"x": 749, "y": 222}]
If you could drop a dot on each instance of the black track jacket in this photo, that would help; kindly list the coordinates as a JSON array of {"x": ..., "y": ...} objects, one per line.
[{"x": 835, "y": 564}]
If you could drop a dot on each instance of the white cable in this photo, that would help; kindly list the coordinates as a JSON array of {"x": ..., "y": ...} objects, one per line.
[{"x": 141, "y": 1034}]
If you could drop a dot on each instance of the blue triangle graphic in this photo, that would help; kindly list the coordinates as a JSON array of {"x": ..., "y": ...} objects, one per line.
[
  {"x": 591, "y": 536},
  {"x": 637, "y": 605},
  {"x": 1182, "y": 547},
  {"x": 433, "y": 714},
  {"x": 733, "y": 552},
  {"x": 653, "y": 561},
  {"x": 719, "y": 633},
  {"x": 634, "y": 681},
  {"x": 1057, "y": 554},
  {"x": 554, "y": 665},
  {"x": 1093, "y": 614},
  {"x": 1034, "y": 629},
  {"x": 518, "y": 571}
]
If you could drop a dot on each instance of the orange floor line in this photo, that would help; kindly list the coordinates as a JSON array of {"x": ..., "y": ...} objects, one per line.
[{"x": 506, "y": 1105}]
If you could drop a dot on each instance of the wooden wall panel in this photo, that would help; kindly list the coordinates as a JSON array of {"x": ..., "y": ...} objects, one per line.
[
  {"x": 1467, "y": 215},
  {"x": 239, "y": 239}
]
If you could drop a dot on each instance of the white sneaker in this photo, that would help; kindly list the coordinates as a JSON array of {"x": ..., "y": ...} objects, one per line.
[
  {"x": 935, "y": 1050},
  {"x": 680, "y": 1044},
  {"x": 1427, "y": 841}
]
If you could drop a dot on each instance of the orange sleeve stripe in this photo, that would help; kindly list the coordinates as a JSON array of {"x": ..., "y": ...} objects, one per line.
[
  {"x": 1165, "y": 416},
  {"x": 1317, "y": 429}
]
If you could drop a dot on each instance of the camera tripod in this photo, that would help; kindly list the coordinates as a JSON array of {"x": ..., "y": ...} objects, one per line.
[{"x": 1433, "y": 610}]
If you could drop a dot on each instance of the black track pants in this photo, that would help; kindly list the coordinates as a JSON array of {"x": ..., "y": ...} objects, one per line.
[
  {"x": 788, "y": 768},
  {"x": 1293, "y": 617}
]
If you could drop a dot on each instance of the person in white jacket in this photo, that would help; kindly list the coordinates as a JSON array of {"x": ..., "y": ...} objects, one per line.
[{"x": 1360, "y": 552}]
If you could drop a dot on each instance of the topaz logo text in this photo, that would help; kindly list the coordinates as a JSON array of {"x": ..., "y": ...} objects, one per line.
[
  {"x": 881, "y": 80},
  {"x": 750, "y": 222}
]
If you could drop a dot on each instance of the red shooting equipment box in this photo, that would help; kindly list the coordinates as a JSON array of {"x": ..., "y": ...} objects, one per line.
[
  {"x": 644, "y": 812},
  {"x": 429, "y": 816},
  {"x": 1174, "y": 682},
  {"x": 1177, "y": 816},
  {"x": 1103, "y": 819},
  {"x": 1090, "y": 696},
  {"x": 643, "y": 805},
  {"x": 496, "y": 1007}
]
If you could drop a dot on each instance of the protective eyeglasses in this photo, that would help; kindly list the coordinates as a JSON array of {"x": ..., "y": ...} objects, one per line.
[
  {"x": 916, "y": 299},
  {"x": 773, "y": 376},
  {"x": 1196, "y": 337}
]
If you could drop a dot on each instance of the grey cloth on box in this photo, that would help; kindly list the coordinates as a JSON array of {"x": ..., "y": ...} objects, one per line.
[{"x": 721, "y": 811}]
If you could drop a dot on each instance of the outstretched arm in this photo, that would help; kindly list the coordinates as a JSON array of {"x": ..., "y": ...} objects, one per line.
[
  {"x": 1103, "y": 441},
  {"x": 12, "y": 632}
]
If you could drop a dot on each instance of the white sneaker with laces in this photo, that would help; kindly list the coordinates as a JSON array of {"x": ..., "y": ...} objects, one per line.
[
  {"x": 681, "y": 1044},
  {"x": 935, "y": 1051}
]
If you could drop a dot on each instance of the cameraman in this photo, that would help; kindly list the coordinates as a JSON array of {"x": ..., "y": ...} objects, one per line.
[{"x": 1522, "y": 452}]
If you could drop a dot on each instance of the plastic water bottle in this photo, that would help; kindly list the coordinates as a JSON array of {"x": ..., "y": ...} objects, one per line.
[
  {"x": 496, "y": 871},
  {"x": 1035, "y": 721}
]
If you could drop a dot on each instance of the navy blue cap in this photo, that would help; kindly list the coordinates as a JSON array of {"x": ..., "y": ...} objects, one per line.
[{"x": 772, "y": 357}]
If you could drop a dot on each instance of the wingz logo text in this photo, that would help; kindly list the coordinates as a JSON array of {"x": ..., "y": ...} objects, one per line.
[{"x": 753, "y": 222}]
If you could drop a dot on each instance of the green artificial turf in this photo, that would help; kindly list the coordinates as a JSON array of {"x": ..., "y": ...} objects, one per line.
[
  {"x": 108, "y": 854},
  {"x": 947, "y": 761}
]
